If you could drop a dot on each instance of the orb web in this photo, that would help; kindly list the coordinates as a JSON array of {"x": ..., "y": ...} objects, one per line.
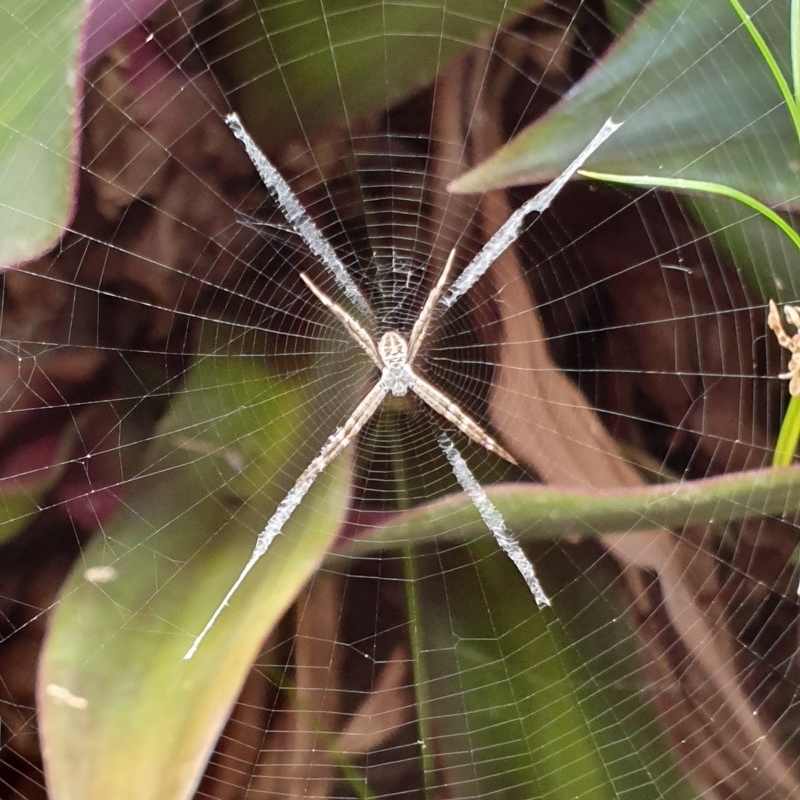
[{"x": 167, "y": 376}]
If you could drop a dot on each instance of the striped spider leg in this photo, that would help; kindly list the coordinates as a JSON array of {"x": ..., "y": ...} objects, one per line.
[{"x": 394, "y": 356}]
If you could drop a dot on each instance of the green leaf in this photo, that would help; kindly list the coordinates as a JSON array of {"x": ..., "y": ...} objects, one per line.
[
  {"x": 696, "y": 98},
  {"x": 764, "y": 243},
  {"x": 39, "y": 45},
  {"x": 786, "y": 446},
  {"x": 21, "y": 497},
  {"x": 313, "y": 64},
  {"x": 539, "y": 512},
  {"x": 19, "y": 505},
  {"x": 703, "y": 187},
  {"x": 534, "y": 704},
  {"x": 766, "y": 257},
  {"x": 122, "y": 714}
]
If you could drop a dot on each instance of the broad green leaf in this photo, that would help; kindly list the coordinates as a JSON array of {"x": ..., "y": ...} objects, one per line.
[
  {"x": 18, "y": 507},
  {"x": 122, "y": 714},
  {"x": 21, "y": 499},
  {"x": 696, "y": 99},
  {"x": 539, "y": 703},
  {"x": 39, "y": 71},
  {"x": 621, "y": 12},
  {"x": 312, "y": 64},
  {"x": 538, "y": 512}
]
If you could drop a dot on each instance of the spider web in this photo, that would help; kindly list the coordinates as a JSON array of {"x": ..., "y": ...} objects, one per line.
[{"x": 167, "y": 376}]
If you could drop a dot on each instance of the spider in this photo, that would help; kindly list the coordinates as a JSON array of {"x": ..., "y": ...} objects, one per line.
[
  {"x": 394, "y": 356},
  {"x": 791, "y": 343}
]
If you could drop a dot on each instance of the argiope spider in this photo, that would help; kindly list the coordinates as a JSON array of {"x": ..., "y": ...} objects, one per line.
[{"x": 394, "y": 356}]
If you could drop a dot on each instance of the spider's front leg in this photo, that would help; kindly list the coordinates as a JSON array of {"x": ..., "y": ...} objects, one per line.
[
  {"x": 351, "y": 325},
  {"x": 295, "y": 213},
  {"x": 420, "y": 329}
]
